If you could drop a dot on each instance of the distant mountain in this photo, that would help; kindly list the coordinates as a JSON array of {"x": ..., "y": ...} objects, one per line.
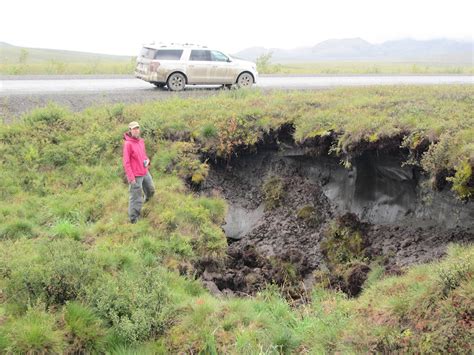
[
  {"x": 357, "y": 49},
  {"x": 11, "y": 54}
]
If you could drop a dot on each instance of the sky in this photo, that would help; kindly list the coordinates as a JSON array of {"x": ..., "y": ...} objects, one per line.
[{"x": 123, "y": 26}]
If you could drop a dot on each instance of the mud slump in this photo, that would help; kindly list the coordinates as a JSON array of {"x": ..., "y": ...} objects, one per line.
[{"x": 402, "y": 221}]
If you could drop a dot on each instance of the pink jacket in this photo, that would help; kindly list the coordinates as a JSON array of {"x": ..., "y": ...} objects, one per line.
[{"x": 133, "y": 156}]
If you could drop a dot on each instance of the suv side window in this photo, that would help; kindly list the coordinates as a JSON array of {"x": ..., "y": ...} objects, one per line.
[
  {"x": 199, "y": 54},
  {"x": 169, "y": 54},
  {"x": 219, "y": 57}
]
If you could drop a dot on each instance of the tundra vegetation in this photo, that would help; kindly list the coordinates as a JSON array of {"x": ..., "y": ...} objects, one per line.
[
  {"x": 23, "y": 61},
  {"x": 76, "y": 277},
  {"x": 365, "y": 68},
  {"x": 30, "y": 61},
  {"x": 265, "y": 65},
  {"x": 58, "y": 67}
]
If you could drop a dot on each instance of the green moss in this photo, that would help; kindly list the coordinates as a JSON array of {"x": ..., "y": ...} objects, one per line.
[
  {"x": 308, "y": 215},
  {"x": 306, "y": 212}
]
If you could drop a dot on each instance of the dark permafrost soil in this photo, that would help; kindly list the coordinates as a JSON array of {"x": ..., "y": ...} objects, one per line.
[{"x": 281, "y": 244}]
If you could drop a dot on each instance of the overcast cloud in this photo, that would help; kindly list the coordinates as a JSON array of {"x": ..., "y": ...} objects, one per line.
[{"x": 121, "y": 27}]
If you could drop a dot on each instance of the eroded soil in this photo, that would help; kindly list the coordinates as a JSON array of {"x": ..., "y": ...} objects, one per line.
[{"x": 281, "y": 243}]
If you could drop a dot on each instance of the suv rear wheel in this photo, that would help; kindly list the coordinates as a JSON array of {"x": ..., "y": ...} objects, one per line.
[
  {"x": 245, "y": 80},
  {"x": 176, "y": 82}
]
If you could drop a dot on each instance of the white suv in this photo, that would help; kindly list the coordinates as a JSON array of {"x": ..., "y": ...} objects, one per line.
[{"x": 179, "y": 65}]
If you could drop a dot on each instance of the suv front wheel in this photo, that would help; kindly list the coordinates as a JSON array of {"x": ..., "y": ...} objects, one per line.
[
  {"x": 176, "y": 82},
  {"x": 245, "y": 80}
]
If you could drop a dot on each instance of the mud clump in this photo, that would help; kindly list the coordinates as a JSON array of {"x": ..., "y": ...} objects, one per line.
[
  {"x": 346, "y": 255},
  {"x": 273, "y": 192},
  {"x": 246, "y": 272},
  {"x": 345, "y": 240},
  {"x": 355, "y": 278}
]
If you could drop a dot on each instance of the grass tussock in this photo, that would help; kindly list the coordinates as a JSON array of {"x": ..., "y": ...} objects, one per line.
[{"x": 76, "y": 277}]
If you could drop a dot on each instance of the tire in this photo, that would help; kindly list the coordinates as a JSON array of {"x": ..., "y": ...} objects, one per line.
[
  {"x": 176, "y": 82},
  {"x": 245, "y": 80}
]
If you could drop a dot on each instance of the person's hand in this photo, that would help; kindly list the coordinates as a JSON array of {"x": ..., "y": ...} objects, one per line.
[{"x": 133, "y": 182}]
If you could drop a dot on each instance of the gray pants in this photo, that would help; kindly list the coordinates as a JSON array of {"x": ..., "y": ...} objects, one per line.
[{"x": 142, "y": 184}]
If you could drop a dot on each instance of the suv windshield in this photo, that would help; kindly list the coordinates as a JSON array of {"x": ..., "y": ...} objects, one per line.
[{"x": 219, "y": 57}]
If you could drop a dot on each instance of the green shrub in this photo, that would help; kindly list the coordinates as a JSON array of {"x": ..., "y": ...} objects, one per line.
[
  {"x": 133, "y": 303},
  {"x": 86, "y": 329},
  {"x": 180, "y": 245},
  {"x": 52, "y": 272},
  {"x": 50, "y": 114},
  {"x": 35, "y": 333},
  {"x": 452, "y": 274},
  {"x": 56, "y": 155},
  {"x": 116, "y": 111},
  {"x": 462, "y": 180}
]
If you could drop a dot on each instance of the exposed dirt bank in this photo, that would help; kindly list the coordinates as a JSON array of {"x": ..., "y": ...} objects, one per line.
[{"x": 275, "y": 235}]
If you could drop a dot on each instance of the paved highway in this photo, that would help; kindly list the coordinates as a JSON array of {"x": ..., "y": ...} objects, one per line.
[{"x": 73, "y": 84}]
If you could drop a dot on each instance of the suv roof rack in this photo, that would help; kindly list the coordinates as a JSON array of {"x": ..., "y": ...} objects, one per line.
[{"x": 173, "y": 44}]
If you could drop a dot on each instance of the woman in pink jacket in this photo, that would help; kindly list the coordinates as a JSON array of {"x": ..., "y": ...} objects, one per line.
[{"x": 135, "y": 163}]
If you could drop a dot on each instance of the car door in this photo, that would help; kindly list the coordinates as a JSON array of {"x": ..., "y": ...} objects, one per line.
[
  {"x": 199, "y": 66},
  {"x": 220, "y": 71}
]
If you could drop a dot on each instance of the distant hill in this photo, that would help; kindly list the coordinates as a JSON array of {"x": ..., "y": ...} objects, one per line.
[
  {"x": 349, "y": 49},
  {"x": 11, "y": 54},
  {"x": 357, "y": 49}
]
